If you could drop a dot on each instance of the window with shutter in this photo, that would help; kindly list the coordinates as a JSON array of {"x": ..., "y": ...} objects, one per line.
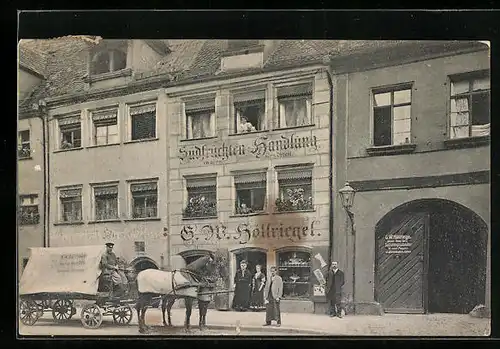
[
  {"x": 295, "y": 189},
  {"x": 250, "y": 192},
  {"x": 105, "y": 127},
  {"x": 71, "y": 204},
  {"x": 143, "y": 120},
  {"x": 295, "y": 105},
  {"x": 144, "y": 200},
  {"x": 24, "y": 147},
  {"x": 106, "y": 202},
  {"x": 28, "y": 210},
  {"x": 202, "y": 197},
  {"x": 70, "y": 129}
]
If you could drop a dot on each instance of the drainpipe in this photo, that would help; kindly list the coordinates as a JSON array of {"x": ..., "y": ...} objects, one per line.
[
  {"x": 42, "y": 114},
  {"x": 330, "y": 178}
]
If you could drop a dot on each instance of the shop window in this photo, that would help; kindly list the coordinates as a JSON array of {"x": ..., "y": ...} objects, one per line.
[
  {"x": 295, "y": 270},
  {"x": 144, "y": 200},
  {"x": 201, "y": 197},
  {"x": 295, "y": 189},
  {"x": 250, "y": 192},
  {"x": 106, "y": 202},
  {"x": 392, "y": 117},
  {"x": 28, "y": 210},
  {"x": 250, "y": 112},
  {"x": 295, "y": 106},
  {"x": 200, "y": 119},
  {"x": 71, "y": 204},
  {"x": 71, "y": 132},
  {"x": 470, "y": 106},
  {"x": 140, "y": 246},
  {"x": 108, "y": 61},
  {"x": 143, "y": 120},
  {"x": 105, "y": 127},
  {"x": 24, "y": 146}
]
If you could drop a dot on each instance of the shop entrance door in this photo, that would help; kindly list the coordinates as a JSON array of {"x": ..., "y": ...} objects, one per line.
[{"x": 253, "y": 257}]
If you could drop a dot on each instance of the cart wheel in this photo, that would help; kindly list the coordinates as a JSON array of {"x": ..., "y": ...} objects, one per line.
[
  {"x": 62, "y": 310},
  {"x": 40, "y": 308},
  {"x": 91, "y": 316},
  {"x": 123, "y": 314},
  {"x": 28, "y": 312}
]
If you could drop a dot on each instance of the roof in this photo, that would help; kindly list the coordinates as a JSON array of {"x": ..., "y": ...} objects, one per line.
[
  {"x": 197, "y": 59},
  {"x": 32, "y": 59}
]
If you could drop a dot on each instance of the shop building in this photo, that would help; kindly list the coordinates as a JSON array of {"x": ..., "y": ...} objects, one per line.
[
  {"x": 249, "y": 172},
  {"x": 418, "y": 156}
]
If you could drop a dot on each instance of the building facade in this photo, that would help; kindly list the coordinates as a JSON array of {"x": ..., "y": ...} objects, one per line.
[
  {"x": 418, "y": 155},
  {"x": 30, "y": 154}
]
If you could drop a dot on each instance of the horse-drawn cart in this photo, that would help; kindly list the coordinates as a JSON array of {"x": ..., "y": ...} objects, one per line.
[{"x": 55, "y": 277}]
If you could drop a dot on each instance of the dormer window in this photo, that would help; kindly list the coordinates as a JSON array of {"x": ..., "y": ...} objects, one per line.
[{"x": 108, "y": 61}]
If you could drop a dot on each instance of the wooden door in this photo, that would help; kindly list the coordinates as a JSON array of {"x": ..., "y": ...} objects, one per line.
[{"x": 401, "y": 264}]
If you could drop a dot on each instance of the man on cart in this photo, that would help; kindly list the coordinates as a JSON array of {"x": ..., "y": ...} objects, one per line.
[{"x": 110, "y": 271}]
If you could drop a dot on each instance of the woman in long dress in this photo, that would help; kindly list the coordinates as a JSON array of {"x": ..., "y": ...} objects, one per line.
[
  {"x": 243, "y": 288},
  {"x": 258, "y": 282}
]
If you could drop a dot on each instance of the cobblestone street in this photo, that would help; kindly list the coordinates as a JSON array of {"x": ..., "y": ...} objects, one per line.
[{"x": 250, "y": 324}]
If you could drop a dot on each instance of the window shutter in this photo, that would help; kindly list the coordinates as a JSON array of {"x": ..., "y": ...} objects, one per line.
[
  {"x": 206, "y": 104},
  {"x": 100, "y": 191},
  {"x": 105, "y": 115},
  {"x": 295, "y": 174},
  {"x": 201, "y": 182},
  {"x": 70, "y": 121},
  {"x": 250, "y": 178},
  {"x": 142, "y": 187},
  {"x": 142, "y": 109},
  {"x": 70, "y": 193},
  {"x": 249, "y": 96},
  {"x": 295, "y": 90}
]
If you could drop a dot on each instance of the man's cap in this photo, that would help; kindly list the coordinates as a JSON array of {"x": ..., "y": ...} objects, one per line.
[
  {"x": 109, "y": 244},
  {"x": 243, "y": 261}
]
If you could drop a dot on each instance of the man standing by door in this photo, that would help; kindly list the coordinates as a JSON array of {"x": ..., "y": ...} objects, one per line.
[
  {"x": 334, "y": 284},
  {"x": 273, "y": 292}
]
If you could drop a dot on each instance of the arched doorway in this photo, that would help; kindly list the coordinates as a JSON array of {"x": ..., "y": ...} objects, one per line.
[
  {"x": 142, "y": 263},
  {"x": 430, "y": 257}
]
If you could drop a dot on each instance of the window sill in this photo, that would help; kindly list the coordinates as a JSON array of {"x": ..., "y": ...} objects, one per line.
[
  {"x": 293, "y": 127},
  {"x": 25, "y": 158},
  {"x": 143, "y": 219},
  {"x": 298, "y": 211},
  {"x": 198, "y": 139},
  {"x": 468, "y": 142},
  {"x": 249, "y": 214},
  {"x": 70, "y": 223},
  {"x": 391, "y": 149},
  {"x": 142, "y": 140},
  {"x": 105, "y": 221},
  {"x": 198, "y": 218},
  {"x": 247, "y": 133},
  {"x": 109, "y": 75},
  {"x": 69, "y": 149},
  {"x": 102, "y": 145}
]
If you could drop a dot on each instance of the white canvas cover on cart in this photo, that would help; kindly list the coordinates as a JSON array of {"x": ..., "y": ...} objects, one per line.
[{"x": 62, "y": 270}]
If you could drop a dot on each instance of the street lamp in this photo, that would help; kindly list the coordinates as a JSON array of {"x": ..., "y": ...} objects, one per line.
[{"x": 347, "y": 194}]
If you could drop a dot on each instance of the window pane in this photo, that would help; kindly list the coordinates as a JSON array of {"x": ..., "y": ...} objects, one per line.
[
  {"x": 100, "y": 64},
  {"x": 480, "y": 108},
  {"x": 402, "y": 138},
  {"x": 382, "y": 126},
  {"x": 119, "y": 60},
  {"x": 458, "y": 87},
  {"x": 201, "y": 124},
  {"x": 113, "y": 138},
  {"x": 459, "y": 105},
  {"x": 101, "y": 131},
  {"x": 144, "y": 126},
  {"x": 403, "y": 96},
  {"x": 113, "y": 129},
  {"x": 481, "y": 84},
  {"x": 294, "y": 112},
  {"x": 258, "y": 199},
  {"x": 459, "y": 119},
  {"x": 459, "y": 131},
  {"x": 382, "y": 99},
  {"x": 25, "y": 136},
  {"x": 402, "y": 125},
  {"x": 401, "y": 113}
]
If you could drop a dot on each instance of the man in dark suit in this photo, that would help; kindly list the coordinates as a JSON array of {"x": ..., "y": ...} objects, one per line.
[{"x": 334, "y": 284}]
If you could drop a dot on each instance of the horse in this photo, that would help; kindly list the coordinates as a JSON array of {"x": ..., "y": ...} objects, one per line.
[{"x": 185, "y": 283}]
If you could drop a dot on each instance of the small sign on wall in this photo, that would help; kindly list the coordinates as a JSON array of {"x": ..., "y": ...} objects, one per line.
[
  {"x": 397, "y": 244},
  {"x": 319, "y": 290}
]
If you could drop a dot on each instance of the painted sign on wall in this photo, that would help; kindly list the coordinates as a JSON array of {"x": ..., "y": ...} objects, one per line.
[
  {"x": 209, "y": 233},
  {"x": 262, "y": 146},
  {"x": 397, "y": 244}
]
